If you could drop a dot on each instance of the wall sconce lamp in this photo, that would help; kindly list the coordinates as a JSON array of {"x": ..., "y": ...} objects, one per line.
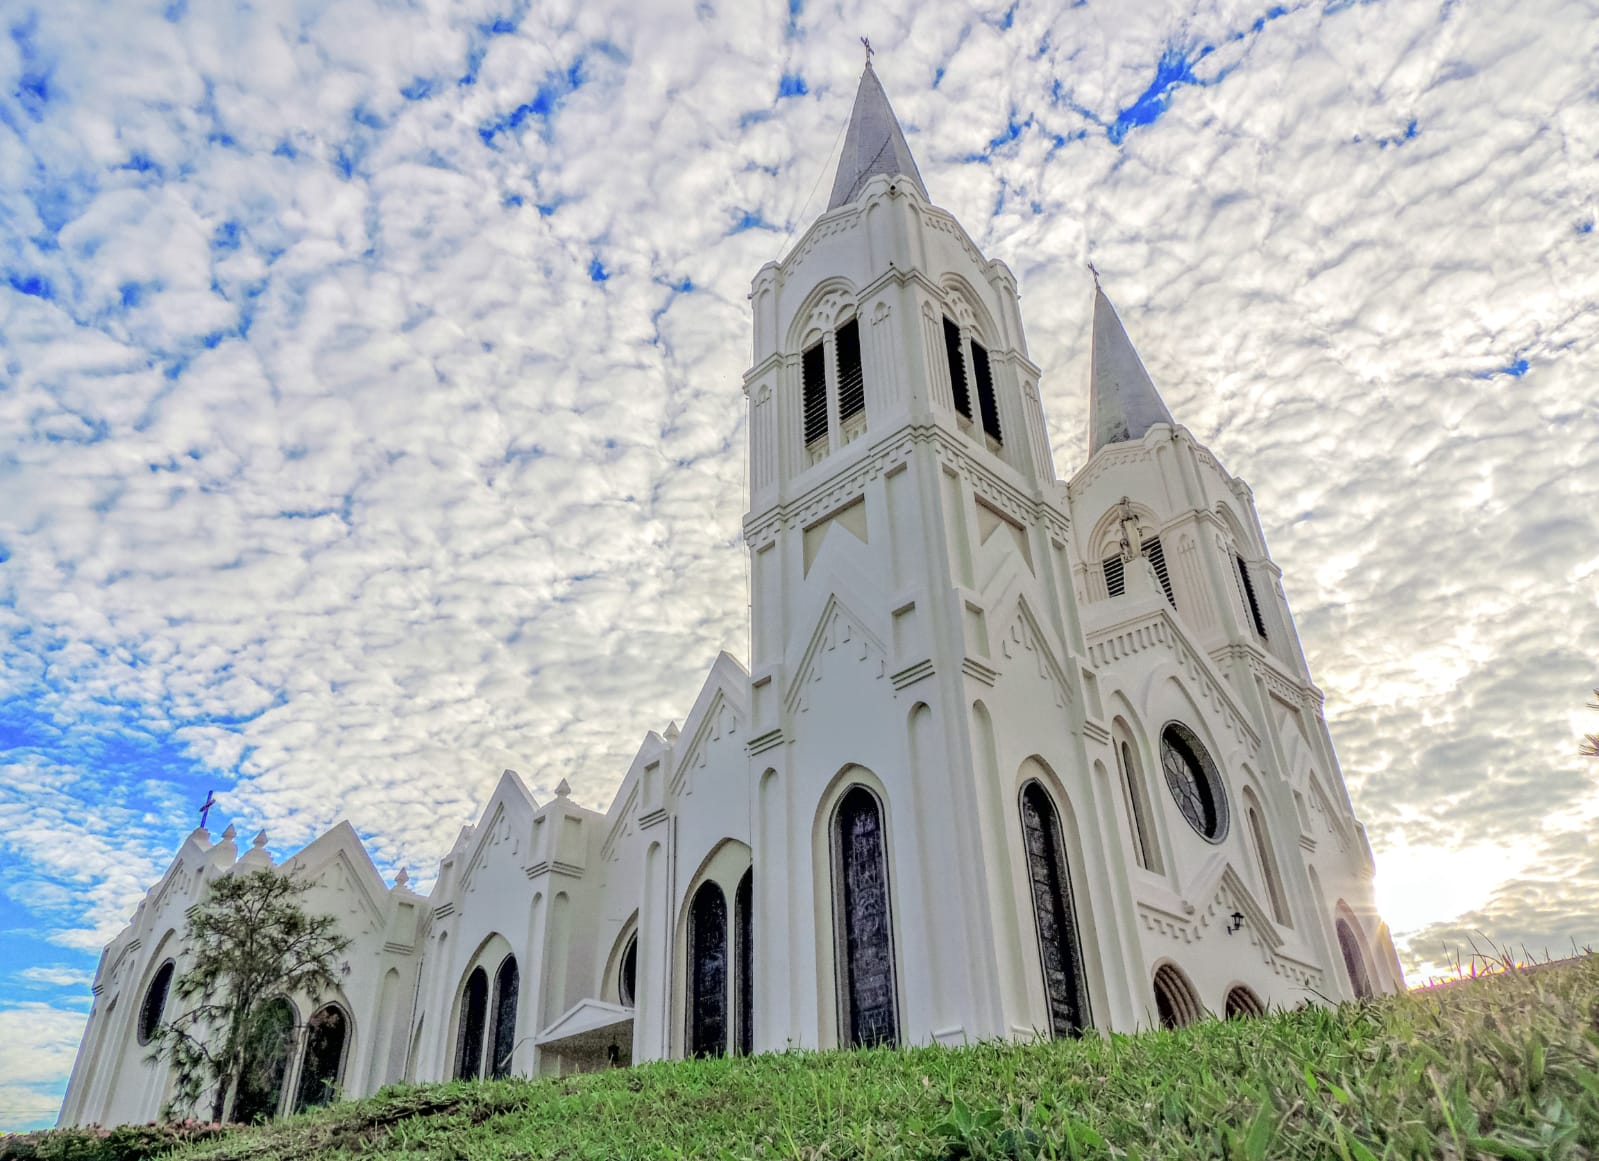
[{"x": 1237, "y": 922}]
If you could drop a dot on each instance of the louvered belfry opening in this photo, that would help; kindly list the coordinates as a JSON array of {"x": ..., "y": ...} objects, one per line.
[
  {"x": 851, "y": 384},
  {"x": 813, "y": 368},
  {"x": 957, "y": 367},
  {"x": 1249, "y": 596},
  {"x": 707, "y": 950},
  {"x": 1115, "y": 575},
  {"x": 1059, "y": 946},
  {"x": 987, "y": 401},
  {"x": 1156, "y": 555}
]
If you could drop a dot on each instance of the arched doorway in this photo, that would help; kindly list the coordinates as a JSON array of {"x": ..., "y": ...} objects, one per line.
[
  {"x": 864, "y": 933},
  {"x": 707, "y": 968},
  {"x": 266, "y": 1063},
  {"x": 507, "y": 983},
  {"x": 1059, "y": 947},
  {"x": 469, "y": 1036},
  {"x": 322, "y": 1066}
]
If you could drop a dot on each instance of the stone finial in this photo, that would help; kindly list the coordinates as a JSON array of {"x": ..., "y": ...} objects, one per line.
[
  {"x": 670, "y": 733},
  {"x": 564, "y": 790},
  {"x": 259, "y": 842},
  {"x": 402, "y": 878},
  {"x": 230, "y": 834}
]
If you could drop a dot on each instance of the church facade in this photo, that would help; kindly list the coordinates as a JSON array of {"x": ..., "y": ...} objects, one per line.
[{"x": 1013, "y": 757}]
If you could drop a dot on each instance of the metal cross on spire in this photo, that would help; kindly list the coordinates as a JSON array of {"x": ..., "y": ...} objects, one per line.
[
  {"x": 869, "y": 52},
  {"x": 1094, "y": 270},
  {"x": 205, "y": 807}
]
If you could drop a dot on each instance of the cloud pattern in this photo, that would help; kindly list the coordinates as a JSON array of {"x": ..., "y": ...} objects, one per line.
[{"x": 369, "y": 390}]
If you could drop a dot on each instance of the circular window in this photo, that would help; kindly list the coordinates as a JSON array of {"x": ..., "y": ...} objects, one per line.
[{"x": 1194, "y": 782}]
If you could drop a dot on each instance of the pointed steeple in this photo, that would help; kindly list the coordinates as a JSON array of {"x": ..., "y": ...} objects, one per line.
[
  {"x": 1122, "y": 403},
  {"x": 873, "y": 144}
]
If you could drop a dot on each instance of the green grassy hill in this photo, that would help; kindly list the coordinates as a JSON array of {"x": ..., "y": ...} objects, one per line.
[{"x": 1502, "y": 1066}]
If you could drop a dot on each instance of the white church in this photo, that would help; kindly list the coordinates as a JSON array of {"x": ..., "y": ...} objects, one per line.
[{"x": 1013, "y": 757}]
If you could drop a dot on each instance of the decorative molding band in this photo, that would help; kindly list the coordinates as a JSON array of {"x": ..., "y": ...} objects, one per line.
[
  {"x": 651, "y": 817},
  {"x": 975, "y": 668},
  {"x": 1095, "y": 732},
  {"x": 770, "y": 740},
  {"x": 913, "y": 673},
  {"x": 444, "y": 911}
]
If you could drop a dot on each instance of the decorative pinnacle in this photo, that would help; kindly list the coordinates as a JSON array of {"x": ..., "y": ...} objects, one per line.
[
  {"x": 564, "y": 790},
  {"x": 260, "y": 840},
  {"x": 230, "y": 834},
  {"x": 402, "y": 878}
]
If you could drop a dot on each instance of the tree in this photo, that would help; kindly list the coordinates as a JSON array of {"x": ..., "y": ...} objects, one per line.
[
  {"x": 253, "y": 946},
  {"x": 1590, "y": 742}
]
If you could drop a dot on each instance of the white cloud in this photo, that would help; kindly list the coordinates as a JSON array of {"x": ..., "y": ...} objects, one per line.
[{"x": 336, "y": 481}]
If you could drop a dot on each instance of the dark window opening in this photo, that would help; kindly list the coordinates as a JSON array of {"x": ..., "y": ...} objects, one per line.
[
  {"x": 865, "y": 940},
  {"x": 851, "y": 384},
  {"x": 155, "y": 1003},
  {"x": 1115, "y": 575},
  {"x": 474, "y": 1014},
  {"x": 707, "y": 950},
  {"x": 324, "y": 1059},
  {"x": 1194, "y": 782},
  {"x": 1176, "y": 1006},
  {"x": 507, "y": 983},
  {"x": 1059, "y": 948},
  {"x": 1354, "y": 962},
  {"x": 987, "y": 402},
  {"x": 627, "y": 974},
  {"x": 1156, "y": 555},
  {"x": 957, "y": 368},
  {"x": 814, "y": 370},
  {"x": 744, "y": 950},
  {"x": 1242, "y": 1004},
  {"x": 1249, "y": 596},
  {"x": 266, "y": 1064}
]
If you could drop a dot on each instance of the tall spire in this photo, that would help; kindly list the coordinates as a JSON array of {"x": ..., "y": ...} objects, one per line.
[
  {"x": 873, "y": 144},
  {"x": 1122, "y": 403}
]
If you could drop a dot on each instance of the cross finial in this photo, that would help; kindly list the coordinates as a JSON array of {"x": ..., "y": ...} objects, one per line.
[
  {"x": 1094, "y": 270},
  {"x": 205, "y": 807},
  {"x": 865, "y": 40}
]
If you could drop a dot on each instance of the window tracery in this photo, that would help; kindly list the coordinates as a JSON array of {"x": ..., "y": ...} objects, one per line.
[{"x": 1194, "y": 782}]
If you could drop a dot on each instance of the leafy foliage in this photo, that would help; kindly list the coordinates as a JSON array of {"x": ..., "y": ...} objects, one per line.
[
  {"x": 124, "y": 1143},
  {"x": 251, "y": 944}
]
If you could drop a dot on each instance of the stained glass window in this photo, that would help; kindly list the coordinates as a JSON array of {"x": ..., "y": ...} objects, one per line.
[
  {"x": 1059, "y": 948},
  {"x": 507, "y": 983},
  {"x": 707, "y": 950},
  {"x": 324, "y": 1058},
  {"x": 474, "y": 1013},
  {"x": 1193, "y": 781},
  {"x": 869, "y": 1009}
]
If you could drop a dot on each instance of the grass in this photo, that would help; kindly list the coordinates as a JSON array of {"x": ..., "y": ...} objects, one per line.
[{"x": 1501, "y": 1066}]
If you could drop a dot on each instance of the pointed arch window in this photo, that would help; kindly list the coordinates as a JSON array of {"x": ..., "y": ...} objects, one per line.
[
  {"x": 707, "y": 981},
  {"x": 1059, "y": 947},
  {"x": 1354, "y": 961},
  {"x": 1268, "y": 867},
  {"x": 260, "y": 1092},
  {"x": 322, "y": 1067},
  {"x": 1115, "y": 570},
  {"x": 744, "y": 951},
  {"x": 863, "y": 926},
  {"x": 155, "y": 1003},
  {"x": 469, "y": 1036},
  {"x": 507, "y": 984},
  {"x": 832, "y": 390},
  {"x": 1146, "y": 851},
  {"x": 969, "y": 364}
]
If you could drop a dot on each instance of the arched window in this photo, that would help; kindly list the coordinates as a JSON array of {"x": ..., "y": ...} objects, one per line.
[
  {"x": 744, "y": 950},
  {"x": 260, "y": 1091},
  {"x": 469, "y": 1036},
  {"x": 507, "y": 983},
  {"x": 1175, "y": 1002},
  {"x": 322, "y": 1066},
  {"x": 832, "y": 398},
  {"x": 1059, "y": 948},
  {"x": 863, "y": 928},
  {"x": 155, "y": 1003},
  {"x": 627, "y": 974},
  {"x": 1145, "y": 849},
  {"x": 707, "y": 972},
  {"x": 1242, "y": 1004},
  {"x": 1354, "y": 961},
  {"x": 1268, "y": 868},
  {"x": 1194, "y": 782}
]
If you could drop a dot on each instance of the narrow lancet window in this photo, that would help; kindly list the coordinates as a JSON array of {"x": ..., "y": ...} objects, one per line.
[
  {"x": 864, "y": 939},
  {"x": 813, "y": 368},
  {"x": 1249, "y": 597},
  {"x": 707, "y": 993},
  {"x": 627, "y": 974},
  {"x": 1059, "y": 948},
  {"x": 851, "y": 384},
  {"x": 1268, "y": 868},
  {"x": 1354, "y": 961},
  {"x": 953, "y": 347},
  {"x": 744, "y": 970},
  {"x": 1144, "y": 849},
  {"x": 324, "y": 1058},
  {"x": 469, "y": 1038},
  {"x": 987, "y": 402},
  {"x": 507, "y": 983}
]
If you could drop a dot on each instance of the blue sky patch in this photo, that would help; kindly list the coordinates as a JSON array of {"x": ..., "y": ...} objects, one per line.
[
  {"x": 597, "y": 271},
  {"x": 32, "y": 285},
  {"x": 546, "y": 102},
  {"x": 1176, "y": 68},
  {"x": 791, "y": 85}
]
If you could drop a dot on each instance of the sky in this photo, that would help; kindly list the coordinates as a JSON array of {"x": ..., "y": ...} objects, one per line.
[{"x": 371, "y": 421}]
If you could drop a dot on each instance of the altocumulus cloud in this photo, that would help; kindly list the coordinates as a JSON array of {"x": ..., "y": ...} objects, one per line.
[{"x": 371, "y": 397}]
